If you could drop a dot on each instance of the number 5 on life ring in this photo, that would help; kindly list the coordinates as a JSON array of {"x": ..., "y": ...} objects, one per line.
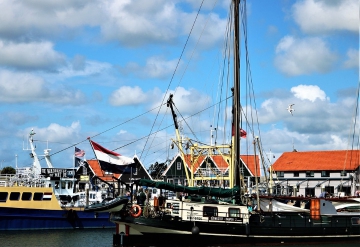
[{"x": 135, "y": 211}]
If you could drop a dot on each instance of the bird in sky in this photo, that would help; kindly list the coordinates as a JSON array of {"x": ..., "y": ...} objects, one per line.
[{"x": 290, "y": 109}]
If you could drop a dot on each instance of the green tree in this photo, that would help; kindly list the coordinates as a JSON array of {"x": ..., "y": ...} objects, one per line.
[
  {"x": 156, "y": 170},
  {"x": 8, "y": 170}
]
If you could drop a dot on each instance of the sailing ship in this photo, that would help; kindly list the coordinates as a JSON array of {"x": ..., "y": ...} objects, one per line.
[
  {"x": 209, "y": 216},
  {"x": 48, "y": 198}
]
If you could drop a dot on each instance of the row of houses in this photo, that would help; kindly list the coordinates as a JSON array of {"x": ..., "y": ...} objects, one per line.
[{"x": 293, "y": 173}]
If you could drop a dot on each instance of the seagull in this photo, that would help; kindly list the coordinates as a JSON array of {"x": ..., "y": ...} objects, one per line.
[{"x": 290, "y": 109}]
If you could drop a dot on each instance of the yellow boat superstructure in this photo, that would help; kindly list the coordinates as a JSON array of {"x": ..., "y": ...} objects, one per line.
[{"x": 28, "y": 198}]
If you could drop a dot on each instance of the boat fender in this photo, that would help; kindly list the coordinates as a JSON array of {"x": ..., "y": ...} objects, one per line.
[
  {"x": 135, "y": 211},
  {"x": 247, "y": 229},
  {"x": 195, "y": 230},
  {"x": 262, "y": 218}
]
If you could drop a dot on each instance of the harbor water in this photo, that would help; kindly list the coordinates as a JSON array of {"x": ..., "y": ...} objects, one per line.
[{"x": 104, "y": 238}]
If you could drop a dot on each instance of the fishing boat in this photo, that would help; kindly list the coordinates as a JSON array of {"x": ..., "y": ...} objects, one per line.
[
  {"x": 46, "y": 198},
  {"x": 113, "y": 205},
  {"x": 210, "y": 216}
]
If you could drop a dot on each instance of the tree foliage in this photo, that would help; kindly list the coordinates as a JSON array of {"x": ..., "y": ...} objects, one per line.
[
  {"x": 157, "y": 169},
  {"x": 8, "y": 170}
]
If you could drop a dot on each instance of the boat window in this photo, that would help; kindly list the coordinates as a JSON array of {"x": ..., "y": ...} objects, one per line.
[
  {"x": 210, "y": 211},
  {"x": 355, "y": 220},
  {"x": 234, "y": 212},
  {"x": 3, "y": 196},
  {"x": 38, "y": 196},
  {"x": 14, "y": 196},
  {"x": 56, "y": 184},
  {"x": 26, "y": 196},
  {"x": 70, "y": 185},
  {"x": 343, "y": 173},
  {"x": 63, "y": 185}
]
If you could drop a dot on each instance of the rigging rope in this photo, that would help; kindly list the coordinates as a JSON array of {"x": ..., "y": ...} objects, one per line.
[{"x": 173, "y": 75}]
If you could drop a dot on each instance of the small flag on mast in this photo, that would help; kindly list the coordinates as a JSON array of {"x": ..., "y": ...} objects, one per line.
[{"x": 79, "y": 152}]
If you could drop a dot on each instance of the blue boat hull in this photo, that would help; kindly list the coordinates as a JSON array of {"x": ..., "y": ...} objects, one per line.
[{"x": 36, "y": 219}]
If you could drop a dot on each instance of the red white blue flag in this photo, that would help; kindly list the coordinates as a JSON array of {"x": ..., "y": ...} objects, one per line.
[
  {"x": 111, "y": 161},
  {"x": 79, "y": 152}
]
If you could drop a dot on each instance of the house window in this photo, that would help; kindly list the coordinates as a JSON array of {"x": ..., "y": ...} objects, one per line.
[
  {"x": 309, "y": 174},
  {"x": 325, "y": 174},
  {"x": 280, "y": 174},
  {"x": 343, "y": 173},
  {"x": 329, "y": 189},
  {"x": 178, "y": 165},
  {"x": 296, "y": 174},
  {"x": 309, "y": 192}
]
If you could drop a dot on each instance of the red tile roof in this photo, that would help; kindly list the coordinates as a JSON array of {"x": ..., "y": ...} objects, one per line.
[
  {"x": 94, "y": 164},
  {"x": 249, "y": 161},
  {"x": 318, "y": 160}
]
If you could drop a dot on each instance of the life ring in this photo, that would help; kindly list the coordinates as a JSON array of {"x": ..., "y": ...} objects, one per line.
[{"x": 135, "y": 211}]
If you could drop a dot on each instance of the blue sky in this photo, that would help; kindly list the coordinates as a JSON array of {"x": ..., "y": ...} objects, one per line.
[{"x": 74, "y": 69}]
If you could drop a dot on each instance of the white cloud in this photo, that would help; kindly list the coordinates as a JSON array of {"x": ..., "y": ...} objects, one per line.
[
  {"x": 135, "y": 23},
  {"x": 26, "y": 87},
  {"x": 132, "y": 23},
  {"x": 81, "y": 67},
  {"x": 303, "y": 56},
  {"x": 127, "y": 95},
  {"x": 353, "y": 59},
  {"x": 155, "y": 67},
  {"x": 187, "y": 101},
  {"x": 321, "y": 16},
  {"x": 308, "y": 92},
  {"x": 32, "y": 55},
  {"x": 55, "y": 132},
  {"x": 41, "y": 19}
]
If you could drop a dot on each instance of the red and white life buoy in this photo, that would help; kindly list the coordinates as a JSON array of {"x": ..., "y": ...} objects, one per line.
[{"x": 135, "y": 211}]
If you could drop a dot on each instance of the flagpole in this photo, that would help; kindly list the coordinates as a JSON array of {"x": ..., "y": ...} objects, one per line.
[
  {"x": 74, "y": 161},
  {"x": 94, "y": 152}
]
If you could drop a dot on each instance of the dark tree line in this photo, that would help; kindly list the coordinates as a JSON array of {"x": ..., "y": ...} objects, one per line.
[{"x": 157, "y": 169}]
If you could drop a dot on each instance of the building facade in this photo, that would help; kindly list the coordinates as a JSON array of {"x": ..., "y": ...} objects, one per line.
[{"x": 311, "y": 173}]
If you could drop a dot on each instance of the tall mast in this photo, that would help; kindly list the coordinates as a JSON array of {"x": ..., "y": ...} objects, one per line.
[{"x": 236, "y": 98}]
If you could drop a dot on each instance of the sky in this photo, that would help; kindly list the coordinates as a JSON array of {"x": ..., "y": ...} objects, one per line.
[{"x": 77, "y": 69}]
